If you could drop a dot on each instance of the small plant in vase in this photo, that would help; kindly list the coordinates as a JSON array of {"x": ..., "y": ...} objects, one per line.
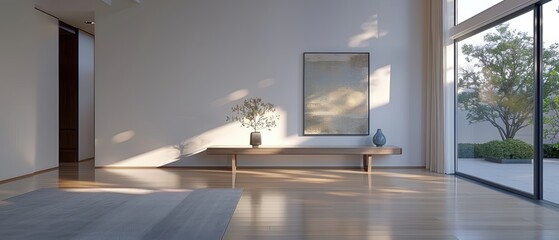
[{"x": 255, "y": 114}]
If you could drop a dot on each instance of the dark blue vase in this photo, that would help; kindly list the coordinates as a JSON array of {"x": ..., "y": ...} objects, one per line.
[{"x": 378, "y": 139}]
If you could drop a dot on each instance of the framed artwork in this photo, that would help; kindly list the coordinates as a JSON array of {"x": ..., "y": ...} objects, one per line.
[{"x": 336, "y": 93}]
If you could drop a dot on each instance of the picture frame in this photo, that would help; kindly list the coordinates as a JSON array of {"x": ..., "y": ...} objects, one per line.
[{"x": 336, "y": 93}]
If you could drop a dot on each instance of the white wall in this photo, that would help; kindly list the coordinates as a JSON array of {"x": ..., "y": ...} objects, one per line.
[
  {"x": 28, "y": 89},
  {"x": 86, "y": 45},
  {"x": 168, "y": 72}
]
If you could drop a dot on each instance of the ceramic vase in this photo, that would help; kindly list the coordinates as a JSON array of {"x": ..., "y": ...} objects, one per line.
[
  {"x": 255, "y": 139},
  {"x": 378, "y": 139}
]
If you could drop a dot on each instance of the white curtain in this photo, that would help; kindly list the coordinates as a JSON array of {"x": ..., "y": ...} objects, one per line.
[{"x": 434, "y": 89}]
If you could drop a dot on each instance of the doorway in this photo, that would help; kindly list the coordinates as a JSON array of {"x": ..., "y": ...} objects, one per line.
[{"x": 68, "y": 93}]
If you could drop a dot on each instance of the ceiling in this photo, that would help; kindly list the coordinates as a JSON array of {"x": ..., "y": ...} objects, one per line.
[{"x": 77, "y": 12}]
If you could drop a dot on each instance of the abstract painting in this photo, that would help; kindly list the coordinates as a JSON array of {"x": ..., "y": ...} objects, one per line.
[{"x": 336, "y": 93}]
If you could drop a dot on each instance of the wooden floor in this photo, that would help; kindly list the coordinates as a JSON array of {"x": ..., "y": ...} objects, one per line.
[{"x": 334, "y": 203}]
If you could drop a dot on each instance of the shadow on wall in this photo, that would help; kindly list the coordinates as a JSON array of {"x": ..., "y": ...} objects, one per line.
[
  {"x": 370, "y": 31},
  {"x": 381, "y": 76},
  {"x": 187, "y": 149},
  {"x": 380, "y": 86},
  {"x": 187, "y": 152},
  {"x": 171, "y": 153}
]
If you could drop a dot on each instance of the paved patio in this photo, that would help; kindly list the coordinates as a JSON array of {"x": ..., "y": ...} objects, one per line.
[{"x": 519, "y": 176}]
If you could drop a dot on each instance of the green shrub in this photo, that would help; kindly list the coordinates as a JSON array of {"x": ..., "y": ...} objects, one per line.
[
  {"x": 551, "y": 150},
  {"x": 468, "y": 150},
  {"x": 507, "y": 149}
]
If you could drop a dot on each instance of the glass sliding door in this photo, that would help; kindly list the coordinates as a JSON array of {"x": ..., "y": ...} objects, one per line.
[
  {"x": 550, "y": 76},
  {"x": 495, "y": 104}
]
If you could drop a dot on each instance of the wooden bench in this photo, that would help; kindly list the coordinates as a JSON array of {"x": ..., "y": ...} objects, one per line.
[{"x": 366, "y": 151}]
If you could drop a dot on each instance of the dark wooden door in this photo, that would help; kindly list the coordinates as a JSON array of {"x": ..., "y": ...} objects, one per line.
[{"x": 68, "y": 93}]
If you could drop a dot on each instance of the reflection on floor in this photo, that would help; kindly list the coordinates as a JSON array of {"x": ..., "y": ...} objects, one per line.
[{"x": 334, "y": 203}]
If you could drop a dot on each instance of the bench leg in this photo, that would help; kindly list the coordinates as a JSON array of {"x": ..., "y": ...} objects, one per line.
[
  {"x": 233, "y": 162},
  {"x": 233, "y": 179},
  {"x": 367, "y": 163}
]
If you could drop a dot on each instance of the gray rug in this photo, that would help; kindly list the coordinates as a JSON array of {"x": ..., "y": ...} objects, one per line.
[{"x": 118, "y": 214}]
